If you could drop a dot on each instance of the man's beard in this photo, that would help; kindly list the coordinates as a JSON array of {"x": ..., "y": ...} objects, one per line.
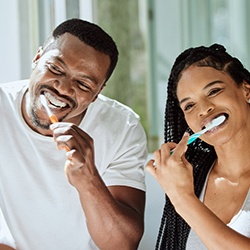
[
  {"x": 43, "y": 124},
  {"x": 36, "y": 121}
]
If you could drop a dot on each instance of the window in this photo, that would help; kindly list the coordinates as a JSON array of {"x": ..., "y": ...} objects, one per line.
[{"x": 149, "y": 35}]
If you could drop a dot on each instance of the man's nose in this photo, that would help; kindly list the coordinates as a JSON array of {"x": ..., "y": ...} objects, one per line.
[{"x": 64, "y": 86}]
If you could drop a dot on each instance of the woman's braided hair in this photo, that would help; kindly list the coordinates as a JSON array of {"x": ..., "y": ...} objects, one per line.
[{"x": 173, "y": 231}]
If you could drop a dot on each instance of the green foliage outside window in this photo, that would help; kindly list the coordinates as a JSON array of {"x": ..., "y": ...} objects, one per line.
[{"x": 128, "y": 83}]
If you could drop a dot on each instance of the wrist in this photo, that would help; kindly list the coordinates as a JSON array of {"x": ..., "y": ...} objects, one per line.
[{"x": 184, "y": 203}]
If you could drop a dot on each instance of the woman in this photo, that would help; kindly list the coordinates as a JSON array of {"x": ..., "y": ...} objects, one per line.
[{"x": 207, "y": 182}]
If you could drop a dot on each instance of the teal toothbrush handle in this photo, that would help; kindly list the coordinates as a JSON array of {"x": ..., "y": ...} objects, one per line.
[{"x": 191, "y": 139}]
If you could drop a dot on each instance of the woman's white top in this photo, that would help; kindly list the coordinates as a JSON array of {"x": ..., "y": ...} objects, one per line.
[{"x": 240, "y": 223}]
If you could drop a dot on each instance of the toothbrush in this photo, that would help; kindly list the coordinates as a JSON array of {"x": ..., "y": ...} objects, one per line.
[
  {"x": 52, "y": 117},
  {"x": 215, "y": 122}
]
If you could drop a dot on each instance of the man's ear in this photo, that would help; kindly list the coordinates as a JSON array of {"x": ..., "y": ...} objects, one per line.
[{"x": 37, "y": 57}]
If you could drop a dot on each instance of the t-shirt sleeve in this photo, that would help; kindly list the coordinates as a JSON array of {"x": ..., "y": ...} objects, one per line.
[{"x": 127, "y": 167}]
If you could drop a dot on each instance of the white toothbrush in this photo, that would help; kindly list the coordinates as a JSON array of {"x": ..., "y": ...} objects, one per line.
[
  {"x": 52, "y": 117},
  {"x": 215, "y": 122}
]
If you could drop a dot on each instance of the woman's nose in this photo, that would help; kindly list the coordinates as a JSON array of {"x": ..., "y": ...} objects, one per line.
[{"x": 205, "y": 108}]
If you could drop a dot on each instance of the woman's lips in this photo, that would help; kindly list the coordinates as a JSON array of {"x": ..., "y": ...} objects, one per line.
[
  {"x": 225, "y": 117},
  {"x": 207, "y": 122}
]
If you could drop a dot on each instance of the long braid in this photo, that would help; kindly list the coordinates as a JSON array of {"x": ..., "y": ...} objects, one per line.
[{"x": 173, "y": 231}]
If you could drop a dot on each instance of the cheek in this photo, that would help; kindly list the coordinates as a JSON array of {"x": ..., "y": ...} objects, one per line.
[
  {"x": 82, "y": 98},
  {"x": 32, "y": 90},
  {"x": 36, "y": 79},
  {"x": 192, "y": 123},
  {"x": 83, "y": 102}
]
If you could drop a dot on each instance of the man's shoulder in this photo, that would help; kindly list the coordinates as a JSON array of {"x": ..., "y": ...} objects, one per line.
[
  {"x": 14, "y": 87},
  {"x": 114, "y": 107}
]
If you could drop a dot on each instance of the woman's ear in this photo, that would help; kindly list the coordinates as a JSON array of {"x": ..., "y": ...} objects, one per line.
[{"x": 37, "y": 57}]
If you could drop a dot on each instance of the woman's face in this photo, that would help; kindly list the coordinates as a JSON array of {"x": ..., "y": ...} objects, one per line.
[{"x": 205, "y": 93}]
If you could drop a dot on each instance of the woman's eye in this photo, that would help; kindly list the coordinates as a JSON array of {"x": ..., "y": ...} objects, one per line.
[{"x": 188, "y": 106}]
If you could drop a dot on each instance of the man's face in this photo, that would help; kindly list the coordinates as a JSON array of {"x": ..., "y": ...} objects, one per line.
[{"x": 70, "y": 75}]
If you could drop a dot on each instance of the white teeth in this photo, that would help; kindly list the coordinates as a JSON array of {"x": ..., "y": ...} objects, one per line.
[{"x": 55, "y": 102}]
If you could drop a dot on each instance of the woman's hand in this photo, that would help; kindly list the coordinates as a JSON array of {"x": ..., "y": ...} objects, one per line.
[{"x": 171, "y": 169}]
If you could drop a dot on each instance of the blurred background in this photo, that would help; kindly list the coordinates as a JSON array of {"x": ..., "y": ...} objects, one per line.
[{"x": 149, "y": 35}]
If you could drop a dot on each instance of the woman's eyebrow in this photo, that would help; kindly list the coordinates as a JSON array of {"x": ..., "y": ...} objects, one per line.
[
  {"x": 207, "y": 86},
  {"x": 184, "y": 100},
  {"x": 212, "y": 83}
]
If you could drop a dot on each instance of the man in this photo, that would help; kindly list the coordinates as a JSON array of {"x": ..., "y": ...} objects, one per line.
[{"x": 101, "y": 206}]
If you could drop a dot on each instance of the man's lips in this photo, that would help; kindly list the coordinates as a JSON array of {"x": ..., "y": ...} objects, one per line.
[{"x": 54, "y": 102}]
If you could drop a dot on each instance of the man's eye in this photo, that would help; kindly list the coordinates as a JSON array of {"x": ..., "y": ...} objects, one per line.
[
  {"x": 54, "y": 69},
  {"x": 83, "y": 86}
]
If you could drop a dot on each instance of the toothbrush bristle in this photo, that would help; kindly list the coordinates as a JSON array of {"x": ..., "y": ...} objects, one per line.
[
  {"x": 44, "y": 103},
  {"x": 52, "y": 117},
  {"x": 43, "y": 100},
  {"x": 217, "y": 121}
]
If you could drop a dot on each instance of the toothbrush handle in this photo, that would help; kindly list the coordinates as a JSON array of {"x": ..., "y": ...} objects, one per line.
[
  {"x": 54, "y": 119},
  {"x": 192, "y": 138}
]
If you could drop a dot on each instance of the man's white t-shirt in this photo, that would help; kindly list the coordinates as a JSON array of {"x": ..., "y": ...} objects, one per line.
[
  {"x": 41, "y": 208},
  {"x": 5, "y": 235}
]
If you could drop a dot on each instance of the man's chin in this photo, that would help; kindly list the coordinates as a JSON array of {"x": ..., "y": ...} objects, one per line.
[{"x": 38, "y": 123}]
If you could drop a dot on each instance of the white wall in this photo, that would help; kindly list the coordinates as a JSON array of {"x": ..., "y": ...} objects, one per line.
[
  {"x": 155, "y": 200},
  {"x": 9, "y": 42}
]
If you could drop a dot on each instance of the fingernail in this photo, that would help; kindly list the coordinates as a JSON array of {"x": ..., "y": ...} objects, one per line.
[
  {"x": 70, "y": 153},
  {"x": 53, "y": 126}
]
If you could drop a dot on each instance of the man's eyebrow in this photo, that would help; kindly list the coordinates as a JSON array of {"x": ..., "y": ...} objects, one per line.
[
  {"x": 207, "y": 86},
  {"x": 81, "y": 75},
  {"x": 88, "y": 78},
  {"x": 60, "y": 60}
]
